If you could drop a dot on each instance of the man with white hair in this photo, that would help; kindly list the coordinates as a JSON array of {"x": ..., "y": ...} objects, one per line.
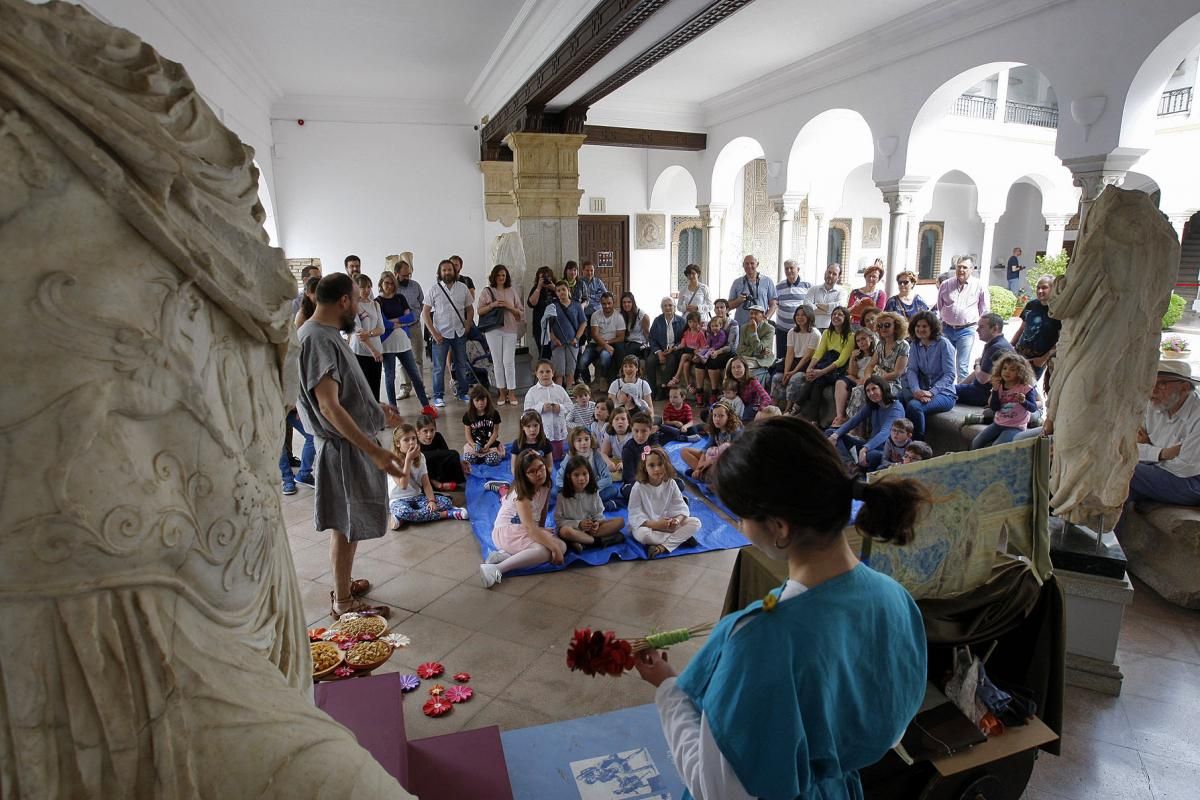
[
  {"x": 791, "y": 293},
  {"x": 1168, "y": 469}
]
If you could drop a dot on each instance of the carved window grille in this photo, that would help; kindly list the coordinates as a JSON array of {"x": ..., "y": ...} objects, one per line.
[{"x": 929, "y": 250}]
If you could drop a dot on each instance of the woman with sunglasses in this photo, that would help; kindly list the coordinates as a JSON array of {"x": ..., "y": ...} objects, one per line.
[{"x": 906, "y": 303}]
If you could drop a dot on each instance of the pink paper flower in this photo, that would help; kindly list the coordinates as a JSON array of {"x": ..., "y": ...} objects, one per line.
[
  {"x": 430, "y": 669},
  {"x": 459, "y": 694}
]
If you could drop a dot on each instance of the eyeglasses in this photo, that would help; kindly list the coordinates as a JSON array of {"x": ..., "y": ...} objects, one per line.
[
  {"x": 904, "y": 283},
  {"x": 883, "y": 326}
]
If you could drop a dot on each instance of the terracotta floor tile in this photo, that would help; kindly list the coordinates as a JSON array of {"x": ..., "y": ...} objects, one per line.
[
  {"x": 534, "y": 624},
  {"x": 509, "y": 716},
  {"x": 406, "y": 551},
  {"x": 431, "y": 639},
  {"x": 469, "y": 605},
  {"x": 579, "y": 588},
  {"x": 494, "y": 663},
  {"x": 411, "y": 590},
  {"x": 669, "y": 575}
]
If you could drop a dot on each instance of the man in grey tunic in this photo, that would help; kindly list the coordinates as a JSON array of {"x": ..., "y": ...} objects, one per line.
[{"x": 337, "y": 405}]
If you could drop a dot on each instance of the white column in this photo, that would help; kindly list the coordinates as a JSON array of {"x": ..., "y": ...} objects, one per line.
[
  {"x": 1093, "y": 173},
  {"x": 1178, "y": 221},
  {"x": 711, "y": 216},
  {"x": 985, "y": 250},
  {"x": 1056, "y": 226},
  {"x": 1001, "y": 96},
  {"x": 899, "y": 203},
  {"x": 786, "y": 208},
  {"x": 822, "y": 233}
]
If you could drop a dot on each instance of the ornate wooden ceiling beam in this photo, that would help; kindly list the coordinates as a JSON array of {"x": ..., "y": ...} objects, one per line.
[{"x": 644, "y": 137}]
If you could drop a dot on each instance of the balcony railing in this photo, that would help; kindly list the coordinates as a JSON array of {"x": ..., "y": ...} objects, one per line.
[
  {"x": 974, "y": 106},
  {"x": 1176, "y": 101},
  {"x": 1027, "y": 114}
]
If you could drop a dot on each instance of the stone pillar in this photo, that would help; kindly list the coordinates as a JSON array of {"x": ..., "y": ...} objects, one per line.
[
  {"x": 985, "y": 250},
  {"x": 546, "y": 195},
  {"x": 1093, "y": 173},
  {"x": 1178, "y": 221},
  {"x": 1056, "y": 226},
  {"x": 711, "y": 216},
  {"x": 498, "y": 203},
  {"x": 1001, "y": 96},
  {"x": 899, "y": 198},
  {"x": 822, "y": 230},
  {"x": 786, "y": 208}
]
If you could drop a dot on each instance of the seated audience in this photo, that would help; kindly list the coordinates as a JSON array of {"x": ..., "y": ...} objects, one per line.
[
  {"x": 715, "y": 339},
  {"x": 898, "y": 442},
  {"x": 666, "y": 339},
  {"x": 891, "y": 357},
  {"x": 608, "y": 331},
  {"x": 878, "y": 413},
  {"x": 630, "y": 390},
  {"x": 857, "y": 371},
  {"x": 519, "y": 533},
  {"x": 658, "y": 514},
  {"x": 749, "y": 390},
  {"x": 1013, "y": 400},
  {"x": 551, "y": 401},
  {"x": 828, "y": 362},
  {"x": 481, "y": 429},
  {"x": 636, "y": 341},
  {"x": 411, "y": 498},
  {"x": 917, "y": 451},
  {"x": 719, "y": 357},
  {"x": 802, "y": 341},
  {"x": 446, "y": 468},
  {"x": 907, "y": 303},
  {"x": 730, "y": 397},
  {"x": 582, "y": 412},
  {"x": 694, "y": 341},
  {"x": 929, "y": 382},
  {"x": 531, "y": 436},
  {"x": 579, "y": 511},
  {"x": 869, "y": 292},
  {"x": 678, "y": 422},
  {"x": 584, "y": 446},
  {"x": 975, "y": 389},
  {"x": 792, "y": 695},
  {"x": 766, "y": 412},
  {"x": 615, "y": 437},
  {"x": 1168, "y": 469},
  {"x": 756, "y": 343},
  {"x": 642, "y": 429},
  {"x": 723, "y": 427}
]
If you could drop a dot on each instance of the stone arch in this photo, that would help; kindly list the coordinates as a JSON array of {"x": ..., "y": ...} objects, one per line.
[
  {"x": 733, "y": 156},
  {"x": 674, "y": 190},
  {"x": 1138, "y": 112},
  {"x": 825, "y": 151}
]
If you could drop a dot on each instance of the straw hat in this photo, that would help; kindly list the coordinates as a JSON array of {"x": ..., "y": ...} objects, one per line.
[{"x": 1177, "y": 368}]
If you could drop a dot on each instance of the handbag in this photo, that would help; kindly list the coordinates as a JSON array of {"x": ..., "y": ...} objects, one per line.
[
  {"x": 831, "y": 377},
  {"x": 492, "y": 319}
]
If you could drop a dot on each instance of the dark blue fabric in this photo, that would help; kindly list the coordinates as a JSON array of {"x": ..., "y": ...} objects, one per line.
[
  {"x": 658, "y": 332},
  {"x": 483, "y": 506}
]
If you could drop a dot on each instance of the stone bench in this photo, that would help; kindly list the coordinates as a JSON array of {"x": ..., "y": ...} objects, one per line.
[
  {"x": 1162, "y": 545},
  {"x": 945, "y": 432}
]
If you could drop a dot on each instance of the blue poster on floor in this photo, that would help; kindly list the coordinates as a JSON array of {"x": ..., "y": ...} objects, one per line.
[{"x": 621, "y": 755}]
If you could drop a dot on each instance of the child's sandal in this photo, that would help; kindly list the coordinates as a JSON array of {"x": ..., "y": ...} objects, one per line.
[{"x": 655, "y": 550}]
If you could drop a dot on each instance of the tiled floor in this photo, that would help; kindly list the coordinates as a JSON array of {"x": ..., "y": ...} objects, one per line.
[{"x": 1143, "y": 745}]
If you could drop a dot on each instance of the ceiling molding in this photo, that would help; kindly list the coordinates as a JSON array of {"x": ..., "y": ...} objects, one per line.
[
  {"x": 920, "y": 31},
  {"x": 646, "y": 138},
  {"x": 536, "y": 30},
  {"x": 664, "y": 115},
  {"x": 385, "y": 110}
]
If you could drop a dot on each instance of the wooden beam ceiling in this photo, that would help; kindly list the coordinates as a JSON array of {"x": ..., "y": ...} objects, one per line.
[
  {"x": 644, "y": 137},
  {"x": 608, "y": 25}
]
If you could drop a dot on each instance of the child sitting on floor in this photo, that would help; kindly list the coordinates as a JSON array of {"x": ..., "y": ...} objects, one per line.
[
  {"x": 732, "y": 399},
  {"x": 917, "y": 451},
  {"x": 630, "y": 390},
  {"x": 551, "y": 401},
  {"x": 599, "y": 426},
  {"x": 481, "y": 429},
  {"x": 658, "y": 514},
  {"x": 519, "y": 533},
  {"x": 582, "y": 412},
  {"x": 766, "y": 412},
  {"x": 579, "y": 511},
  {"x": 530, "y": 437},
  {"x": 723, "y": 426},
  {"x": 583, "y": 445},
  {"x": 447, "y": 471},
  {"x": 897, "y": 442},
  {"x": 411, "y": 498},
  {"x": 617, "y": 435},
  {"x": 678, "y": 423},
  {"x": 641, "y": 430}
]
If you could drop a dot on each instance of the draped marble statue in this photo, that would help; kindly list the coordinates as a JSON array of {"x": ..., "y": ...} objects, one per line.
[
  {"x": 152, "y": 642},
  {"x": 1111, "y": 302}
]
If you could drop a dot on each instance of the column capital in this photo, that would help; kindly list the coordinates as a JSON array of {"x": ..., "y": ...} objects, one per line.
[
  {"x": 988, "y": 217},
  {"x": 1057, "y": 222},
  {"x": 786, "y": 204},
  {"x": 899, "y": 194},
  {"x": 546, "y": 174},
  {"x": 711, "y": 214},
  {"x": 1093, "y": 173}
]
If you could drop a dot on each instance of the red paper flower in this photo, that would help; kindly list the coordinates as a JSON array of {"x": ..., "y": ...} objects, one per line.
[
  {"x": 430, "y": 669},
  {"x": 462, "y": 677},
  {"x": 459, "y": 694},
  {"x": 437, "y": 691},
  {"x": 343, "y": 671},
  {"x": 599, "y": 653},
  {"x": 436, "y": 707},
  {"x": 314, "y": 634}
]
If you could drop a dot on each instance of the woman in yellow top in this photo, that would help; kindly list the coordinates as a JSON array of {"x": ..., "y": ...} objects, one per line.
[{"x": 828, "y": 362}]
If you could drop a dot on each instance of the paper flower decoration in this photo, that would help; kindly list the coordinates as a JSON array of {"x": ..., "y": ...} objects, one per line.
[
  {"x": 462, "y": 677},
  {"x": 343, "y": 671},
  {"x": 316, "y": 634},
  {"x": 345, "y": 644},
  {"x": 769, "y": 602},
  {"x": 430, "y": 669},
  {"x": 599, "y": 653},
  {"x": 396, "y": 639},
  {"x": 437, "y": 691},
  {"x": 436, "y": 707},
  {"x": 459, "y": 694},
  {"x": 409, "y": 683}
]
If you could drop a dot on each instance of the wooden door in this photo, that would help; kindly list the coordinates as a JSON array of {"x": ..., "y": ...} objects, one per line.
[{"x": 604, "y": 240}]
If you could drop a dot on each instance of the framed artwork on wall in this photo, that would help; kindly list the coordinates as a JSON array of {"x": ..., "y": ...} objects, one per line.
[
  {"x": 651, "y": 231},
  {"x": 872, "y": 233}
]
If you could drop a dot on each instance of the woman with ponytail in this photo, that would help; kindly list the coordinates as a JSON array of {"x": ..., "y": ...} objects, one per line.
[{"x": 794, "y": 694}]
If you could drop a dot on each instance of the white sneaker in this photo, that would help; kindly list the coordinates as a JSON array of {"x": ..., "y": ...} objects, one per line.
[
  {"x": 405, "y": 392},
  {"x": 490, "y": 575},
  {"x": 496, "y": 556}
]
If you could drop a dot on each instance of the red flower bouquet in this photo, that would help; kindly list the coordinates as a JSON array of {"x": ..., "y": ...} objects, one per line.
[{"x": 599, "y": 653}]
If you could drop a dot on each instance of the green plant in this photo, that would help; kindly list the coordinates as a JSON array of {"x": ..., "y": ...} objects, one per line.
[
  {"x": 1174, "y": 311},
  {"x": 1054, "y": 266},
  {"x": 1002, "y": 300}
]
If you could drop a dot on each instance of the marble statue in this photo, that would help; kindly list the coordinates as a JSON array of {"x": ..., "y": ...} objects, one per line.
[
  {"x": 508, "y": 250},
  {"x": 1111, "y": 302},
  {"x": 152, "y": 639}
]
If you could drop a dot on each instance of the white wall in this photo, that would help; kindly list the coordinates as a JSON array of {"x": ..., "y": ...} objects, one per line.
[
  {"x": 861, "y": 199},
  {"x": 954, "y": 204},
  {"x": 1021, "y": 225},
  {"x": 376, "y": 189}
]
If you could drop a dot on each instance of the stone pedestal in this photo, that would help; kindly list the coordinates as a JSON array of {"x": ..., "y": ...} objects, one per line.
[
  {"x": 1095, "y": 609},
  {"x": 546, "y": 194}
]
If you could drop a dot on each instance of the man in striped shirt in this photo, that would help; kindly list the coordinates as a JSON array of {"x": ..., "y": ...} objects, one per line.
[{"x": 791, "y": 293}]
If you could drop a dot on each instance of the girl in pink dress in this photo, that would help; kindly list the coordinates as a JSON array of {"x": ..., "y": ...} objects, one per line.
[{"x": 520, "y": 534}]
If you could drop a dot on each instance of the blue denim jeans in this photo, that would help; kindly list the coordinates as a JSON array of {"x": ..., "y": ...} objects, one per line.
[
  {"x": 457, "y": 347},
  {"x": 307, "y": 453},
  {"x": 593, "y": 354},
  {"x": 1152, "y": 482},
  {"x": 916, "y": 411},
  {"x": 409, "y": 363},
  {"x": 963, "y": 340},
  {"x": 994, "y": 434}
]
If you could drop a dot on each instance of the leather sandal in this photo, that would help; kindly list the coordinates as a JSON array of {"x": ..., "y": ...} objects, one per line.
[
  {"x": 358, "y": 606},
  {"x": 359, "y": 587}
]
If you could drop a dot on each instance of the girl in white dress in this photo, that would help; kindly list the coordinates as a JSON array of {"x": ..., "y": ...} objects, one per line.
[{"x": 658, "y": 514}]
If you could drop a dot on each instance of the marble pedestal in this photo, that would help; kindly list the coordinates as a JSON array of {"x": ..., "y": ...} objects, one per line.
[{"x": 1095, "y": 609}]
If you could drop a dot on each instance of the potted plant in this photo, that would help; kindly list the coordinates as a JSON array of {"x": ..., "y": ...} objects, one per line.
[{"x": 1175, "y": 347}]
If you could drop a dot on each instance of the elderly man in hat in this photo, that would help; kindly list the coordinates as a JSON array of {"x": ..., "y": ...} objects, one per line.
[{"x": 1168, "y": 469}]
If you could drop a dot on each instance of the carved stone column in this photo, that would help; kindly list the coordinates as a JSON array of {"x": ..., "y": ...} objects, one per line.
[
  {"x": 786, "y": 207},
  {"x": 711, "y": 216},
  {"x": 822, "y": 234},
  {"x": 545, "y": 192},
  {"x": 899, "y": 199},
  {"x": 1056, "y": 226},
  {"x": 1093, "y": 173},
  {"x": 985, "y": 250},
  {"x": 498, "y": 203}
]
